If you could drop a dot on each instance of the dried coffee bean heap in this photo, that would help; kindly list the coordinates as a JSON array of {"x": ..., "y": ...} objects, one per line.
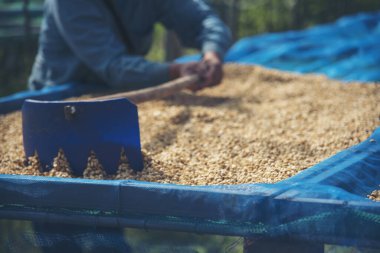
[
  {"x": 94, "y": 169},
  {"x": 61, "y": 167},
  {"x": 33, "y": 166},
  {"x": 375, "y": 195},
  {"x": 124, "y": 170},
  {"x": 258, "y": 126}
]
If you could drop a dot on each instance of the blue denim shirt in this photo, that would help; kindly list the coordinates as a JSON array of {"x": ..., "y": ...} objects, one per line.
[{"x": 80, "y": 41}]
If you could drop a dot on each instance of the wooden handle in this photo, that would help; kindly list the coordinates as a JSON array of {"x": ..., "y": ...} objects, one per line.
[{"x": 156, "y": 92}]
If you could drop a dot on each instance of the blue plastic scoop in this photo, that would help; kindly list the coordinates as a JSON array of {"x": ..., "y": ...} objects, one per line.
[{"x": 105, "y": 125}]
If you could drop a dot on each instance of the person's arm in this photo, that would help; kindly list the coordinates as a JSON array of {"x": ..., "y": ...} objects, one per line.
[
  {"x": 87, "y": 28},
  {"x": 198, "y": 26}
]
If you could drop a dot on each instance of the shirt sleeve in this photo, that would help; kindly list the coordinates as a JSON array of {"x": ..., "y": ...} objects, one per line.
[
  {"x": 196, "y": 25},
  {"x": 88, "y": 29}
]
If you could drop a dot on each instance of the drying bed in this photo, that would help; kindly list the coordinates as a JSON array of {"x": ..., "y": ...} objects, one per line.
[
  {"x": 325, "y": 203},
  {"x": 259, "y": 126}
]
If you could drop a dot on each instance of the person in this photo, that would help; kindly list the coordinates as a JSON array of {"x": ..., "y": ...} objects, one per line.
[{"x": 104, "y": 42}]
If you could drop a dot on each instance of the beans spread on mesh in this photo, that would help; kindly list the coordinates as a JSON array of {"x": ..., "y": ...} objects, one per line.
[
  {"x": 259, "y": 125},
  {"x": 375, "y": 195}
]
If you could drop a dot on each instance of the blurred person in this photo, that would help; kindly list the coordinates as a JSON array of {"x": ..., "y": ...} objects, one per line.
[{"x": 104, "y": 41}]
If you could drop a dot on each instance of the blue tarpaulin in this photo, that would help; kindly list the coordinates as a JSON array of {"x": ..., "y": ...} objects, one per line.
[{"x": 347, "y": 49}]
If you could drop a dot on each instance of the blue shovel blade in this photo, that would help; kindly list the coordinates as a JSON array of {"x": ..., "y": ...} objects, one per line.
[{"x": 78, "y": 128}]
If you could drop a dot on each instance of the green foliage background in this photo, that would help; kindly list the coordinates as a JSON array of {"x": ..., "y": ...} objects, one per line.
[{"x": 261, "y": 16}]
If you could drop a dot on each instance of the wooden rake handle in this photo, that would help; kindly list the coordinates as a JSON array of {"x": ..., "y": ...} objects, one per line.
[{"x": 156, "y": 92}]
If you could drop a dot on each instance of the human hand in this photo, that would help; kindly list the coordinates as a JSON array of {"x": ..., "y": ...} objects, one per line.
[
  {"x": 177, "y": 70},
  {"x": 209, "y": 70},
  {"x": 212, "y": 74}
]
